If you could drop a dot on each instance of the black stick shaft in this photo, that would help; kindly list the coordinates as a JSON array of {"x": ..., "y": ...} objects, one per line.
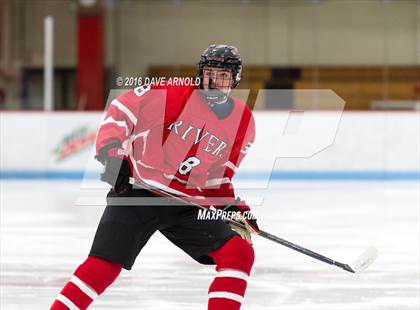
[{"x": 305, "y": 251}]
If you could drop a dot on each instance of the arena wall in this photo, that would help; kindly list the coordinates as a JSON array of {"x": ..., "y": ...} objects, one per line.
[
  {"x": 354, "y": 145},
  {"x": 143, "y": 33}
]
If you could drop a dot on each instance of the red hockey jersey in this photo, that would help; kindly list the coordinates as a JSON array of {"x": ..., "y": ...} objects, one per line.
[{"x": 174, "y": 141}]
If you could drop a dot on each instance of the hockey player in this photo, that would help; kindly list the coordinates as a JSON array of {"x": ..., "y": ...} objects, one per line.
[{"x": 187, "y": 142}]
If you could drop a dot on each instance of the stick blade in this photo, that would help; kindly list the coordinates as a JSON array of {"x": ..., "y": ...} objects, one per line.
[{"x": 365, "y": 260}]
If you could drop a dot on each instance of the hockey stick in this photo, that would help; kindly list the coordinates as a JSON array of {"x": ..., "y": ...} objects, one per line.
[{"x": 363, "y": 262}]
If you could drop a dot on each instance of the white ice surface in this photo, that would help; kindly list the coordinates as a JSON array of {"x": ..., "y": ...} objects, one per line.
[{"x": 44, "y": 236}]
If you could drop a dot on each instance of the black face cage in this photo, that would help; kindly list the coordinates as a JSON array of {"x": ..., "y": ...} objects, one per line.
[{"x": 233, "y": 64}]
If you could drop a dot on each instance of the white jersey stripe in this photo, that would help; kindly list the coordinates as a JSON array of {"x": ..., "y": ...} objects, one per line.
[
  {"x": 143, "y": 135},
  {"x": 226, "y": 295},
  {"x": 230, "y": 165},
  {"x": 67, "y": 302},
  {"x": 124, "y": 109},
  {"x": 173, "y": 177},
  {"x": 111, "y": 120},
  {"x": 84, "y": 287},
  {"x": 213, "y": 182},
  {"x": 144, "y": 165},
  {"x": 133, "y": 162},
  {"x": 231, "y": 273}
]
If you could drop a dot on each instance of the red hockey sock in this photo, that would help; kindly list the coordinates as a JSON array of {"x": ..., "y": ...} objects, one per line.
[
  {"x": 233, "y": 265},
  {"x": 89, "y": 280}
]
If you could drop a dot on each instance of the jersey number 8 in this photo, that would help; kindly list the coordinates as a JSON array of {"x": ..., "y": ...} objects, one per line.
[{"x": 186, "y": 165}]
